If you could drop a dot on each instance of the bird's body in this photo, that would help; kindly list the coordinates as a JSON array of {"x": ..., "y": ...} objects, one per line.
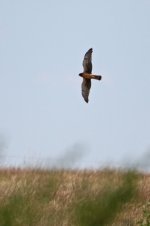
[
  {"x": 87, "y": 75},
  {"x": 90, "y": 76}
]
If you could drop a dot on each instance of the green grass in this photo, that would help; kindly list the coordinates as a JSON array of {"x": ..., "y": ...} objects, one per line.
[
  {"x": 145, "y": 219},
  {"x": 103, "y": 208},
  {"x": 25, "y": 205},
  {"x": 72, "y": 198}
]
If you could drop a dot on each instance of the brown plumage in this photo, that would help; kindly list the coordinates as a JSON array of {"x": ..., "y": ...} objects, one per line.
[{"x": 87, "y": 75}]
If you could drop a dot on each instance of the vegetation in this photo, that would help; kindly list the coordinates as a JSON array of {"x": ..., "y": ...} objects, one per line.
[
  {"x": 73, "y": 198},
  {"x": 145, "y": 220}
]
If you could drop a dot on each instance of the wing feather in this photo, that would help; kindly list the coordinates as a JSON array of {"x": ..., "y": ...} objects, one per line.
[
  {"x": 87, "y": 61},
  {"x": 86, "y": 85}
]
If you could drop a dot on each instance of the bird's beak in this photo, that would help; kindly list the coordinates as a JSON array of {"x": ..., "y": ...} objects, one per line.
[{"x": 80, "y": 74}]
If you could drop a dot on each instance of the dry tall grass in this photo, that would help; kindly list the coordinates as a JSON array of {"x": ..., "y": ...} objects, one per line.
[{"x": 71, "y": 198}]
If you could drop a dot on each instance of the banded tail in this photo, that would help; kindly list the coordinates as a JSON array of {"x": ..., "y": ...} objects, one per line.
[{"x": 90, "y": 76}]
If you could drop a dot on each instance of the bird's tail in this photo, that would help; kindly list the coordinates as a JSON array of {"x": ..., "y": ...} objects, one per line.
[{"x": 97, "y": 77}]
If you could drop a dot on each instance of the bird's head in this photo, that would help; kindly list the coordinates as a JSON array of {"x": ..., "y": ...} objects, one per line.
[{"x": 81, "y": 74}]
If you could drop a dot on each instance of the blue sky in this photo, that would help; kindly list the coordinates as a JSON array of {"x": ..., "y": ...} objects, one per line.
[{"x": 43, "y": 115}]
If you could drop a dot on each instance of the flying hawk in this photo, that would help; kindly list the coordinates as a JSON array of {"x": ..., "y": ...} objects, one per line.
[{"x": 87, "y": 75}]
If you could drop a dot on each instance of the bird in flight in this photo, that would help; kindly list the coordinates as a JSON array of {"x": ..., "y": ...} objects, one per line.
[{"x": 87, "y": 75}]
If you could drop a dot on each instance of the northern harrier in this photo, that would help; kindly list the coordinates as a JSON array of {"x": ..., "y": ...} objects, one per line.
[{"x": 87, "y": 75}]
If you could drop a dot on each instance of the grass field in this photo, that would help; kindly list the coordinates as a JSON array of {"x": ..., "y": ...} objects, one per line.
[{"x": 73, "y": 198}]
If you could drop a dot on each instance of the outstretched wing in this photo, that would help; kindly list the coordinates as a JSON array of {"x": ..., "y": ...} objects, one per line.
[
  {"x": 86, "y": 85},
  {"x": 87, "y": 61}
]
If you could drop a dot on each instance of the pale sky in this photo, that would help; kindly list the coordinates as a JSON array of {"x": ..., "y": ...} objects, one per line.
[{"x": 43, "y": 116}]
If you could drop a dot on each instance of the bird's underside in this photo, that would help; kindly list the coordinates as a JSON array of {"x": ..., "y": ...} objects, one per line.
[{"x": 87, "y": 75}]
